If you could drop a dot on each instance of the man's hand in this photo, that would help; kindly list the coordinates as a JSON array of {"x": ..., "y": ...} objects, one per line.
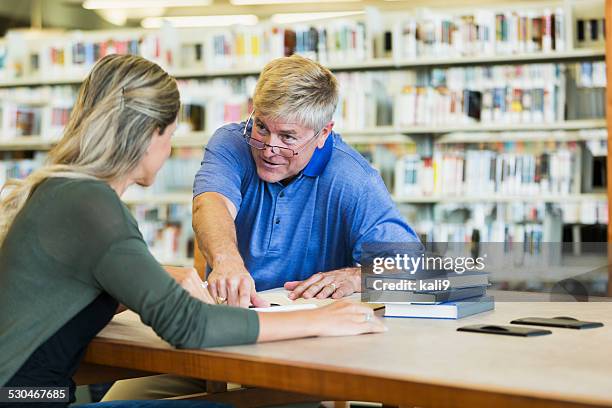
[
  {"x": 335, "y": 284},
  {"x": 189, "y": 280},
  {"x": 230, "y": 282}
]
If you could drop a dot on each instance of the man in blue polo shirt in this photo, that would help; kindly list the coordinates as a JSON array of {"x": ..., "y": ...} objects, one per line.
[{"x": 281, "y": 200}]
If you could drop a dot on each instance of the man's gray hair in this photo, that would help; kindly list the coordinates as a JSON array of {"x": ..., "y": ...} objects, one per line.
[{"x": 296, "y": 89}]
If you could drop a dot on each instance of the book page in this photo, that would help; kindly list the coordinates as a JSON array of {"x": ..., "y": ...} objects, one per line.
[{"x": 280, "y": 297}]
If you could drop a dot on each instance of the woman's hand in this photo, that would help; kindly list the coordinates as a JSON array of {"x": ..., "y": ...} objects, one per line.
[
  {"x": 346, "y": 318},
  {"x": 189, "y": 280},
  {"x": 341, "y": 318}
]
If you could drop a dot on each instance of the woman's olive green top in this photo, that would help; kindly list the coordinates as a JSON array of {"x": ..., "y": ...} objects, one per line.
[{"x": 74, "y": 240}]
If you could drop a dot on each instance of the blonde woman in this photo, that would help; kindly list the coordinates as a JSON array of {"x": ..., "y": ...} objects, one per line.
[{"x": 70, "y": 252}]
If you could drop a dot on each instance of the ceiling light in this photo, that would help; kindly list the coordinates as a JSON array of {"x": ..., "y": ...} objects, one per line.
[
  {"x": 114, "y": 16},
  {"x": 288, "y": 18},
  {"x": 256, "y": 2},
  {"x": 200, "y": 21},
  {"x": 125, "y": 4}
]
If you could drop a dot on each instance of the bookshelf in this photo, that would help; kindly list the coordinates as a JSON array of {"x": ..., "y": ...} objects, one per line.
[
  {"x": 383, "y": 134},
  {"x": 25, "y": 143},
  {"x": 524, "y": 198},
  {"x": 198, "y": 64},
  {"x": 186, "y": 198},
  {"x": 160, "y": 199},
  {"x": 384, "y": 63},
  {"x": 609, "y": 113},
  {"x": 608, "y": 14}
]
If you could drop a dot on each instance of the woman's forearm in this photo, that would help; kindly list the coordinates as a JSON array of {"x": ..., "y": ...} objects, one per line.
[
  {"x": 341, "y": 318},
  {"x": 287, "y": 325}
]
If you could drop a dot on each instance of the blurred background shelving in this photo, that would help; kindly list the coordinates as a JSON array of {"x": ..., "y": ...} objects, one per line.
[{"x": 486, "y": 121}]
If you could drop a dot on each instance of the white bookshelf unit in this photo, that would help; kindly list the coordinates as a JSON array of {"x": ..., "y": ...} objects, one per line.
[{"x": 393, "y": 65}]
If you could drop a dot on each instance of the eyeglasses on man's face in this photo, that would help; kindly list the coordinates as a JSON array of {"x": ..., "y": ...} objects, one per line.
[{"x": 280, "y": 150}]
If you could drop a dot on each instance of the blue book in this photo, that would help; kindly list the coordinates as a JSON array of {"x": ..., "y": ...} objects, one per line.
[
  {"x": 427, "y": 281},
  {"x": 430, "y": 297},
  {"x": 449, "y": 310},
  {"x": 90, "y": 57}
]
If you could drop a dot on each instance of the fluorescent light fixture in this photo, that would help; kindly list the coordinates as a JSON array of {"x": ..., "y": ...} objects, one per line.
[
  {"x": 113, "y": 16},
  {"x": 258, "y": 2},
  {"x": 288, "y": 18},
  {"x": 127, "y": 4},
  {"x": 200, "y": 21}
]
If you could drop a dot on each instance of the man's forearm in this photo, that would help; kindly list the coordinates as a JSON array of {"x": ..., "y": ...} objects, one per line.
[
  {"x": 229, "y": 281},
  {"x": 215, "y": 230}
]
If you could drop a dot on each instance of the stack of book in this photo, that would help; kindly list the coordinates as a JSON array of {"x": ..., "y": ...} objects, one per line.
[
  {"x": 167, "y": 231},
  {"x": 509, "y": 168},
  {"x": 529, "y": 93},
  {"x": 590, "y": 32},
  {"x": 248, "y": 47},
  {"x": 19, "y": 168},
  {"x": 74, "y": 53},
  {"x": 427, "y": 295},
  {"x": 41, "y": 111},
  {"x": 484, "y": 32}
]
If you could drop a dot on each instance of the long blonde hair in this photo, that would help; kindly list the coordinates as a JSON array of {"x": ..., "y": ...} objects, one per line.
[{"x": 123, "y": 100}]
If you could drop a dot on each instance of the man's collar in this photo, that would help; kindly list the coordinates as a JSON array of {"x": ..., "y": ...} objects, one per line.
[{"x": 320, "y": 158}]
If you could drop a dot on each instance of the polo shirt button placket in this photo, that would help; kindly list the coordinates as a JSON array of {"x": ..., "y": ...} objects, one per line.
[
  {"x": 277, "y": 219},
  {"x": 276, "y": 239}
]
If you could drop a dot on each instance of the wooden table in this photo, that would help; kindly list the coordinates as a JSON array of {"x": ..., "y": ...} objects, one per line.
[{"x": 418, "y": 362}]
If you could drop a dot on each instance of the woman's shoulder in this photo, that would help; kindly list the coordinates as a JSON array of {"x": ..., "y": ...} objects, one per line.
[
  {"x": 87, "y": 203},
  {"x": 78, "y": 191}
]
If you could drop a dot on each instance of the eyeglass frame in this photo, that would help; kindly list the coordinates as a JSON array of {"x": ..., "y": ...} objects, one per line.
[{"x": 265, "y": 145}]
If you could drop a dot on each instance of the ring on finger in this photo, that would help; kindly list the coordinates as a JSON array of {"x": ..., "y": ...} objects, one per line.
[{"x": 221, "y": 300}]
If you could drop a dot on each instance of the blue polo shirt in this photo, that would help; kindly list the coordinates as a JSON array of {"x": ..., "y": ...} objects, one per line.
[{"x": 316, "y": 223}]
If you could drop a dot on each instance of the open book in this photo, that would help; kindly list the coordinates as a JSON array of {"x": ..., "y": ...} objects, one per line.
[{"x": 279, "y": 298}]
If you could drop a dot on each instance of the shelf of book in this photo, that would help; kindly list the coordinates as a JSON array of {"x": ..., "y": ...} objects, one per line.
[
  {"x": 380, "y": 63},
  {"x": 598, "y": 133},
  {"x": 545, "y": 198},
  {"x": 385, "y": 134},
  {"x": 186, "y": 198},
  {"x": 608, "y": 16},
  {"x": 192, "y": 139},
  {"x": 160, "y": 198},
  {"x": 377, "y": 63},
  {"x": 375, "y": 138},
  {"x": 443, "y": 129},
  {"x": 503, "y": 127},
  {"x": 216, "y": 80},
  {"x": 25, "y": 143},
  {"x": 557, "y": 56}
]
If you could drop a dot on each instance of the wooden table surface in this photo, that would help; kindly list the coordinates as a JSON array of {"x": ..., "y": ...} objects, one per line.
[{"x": 418, "y": 362}]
